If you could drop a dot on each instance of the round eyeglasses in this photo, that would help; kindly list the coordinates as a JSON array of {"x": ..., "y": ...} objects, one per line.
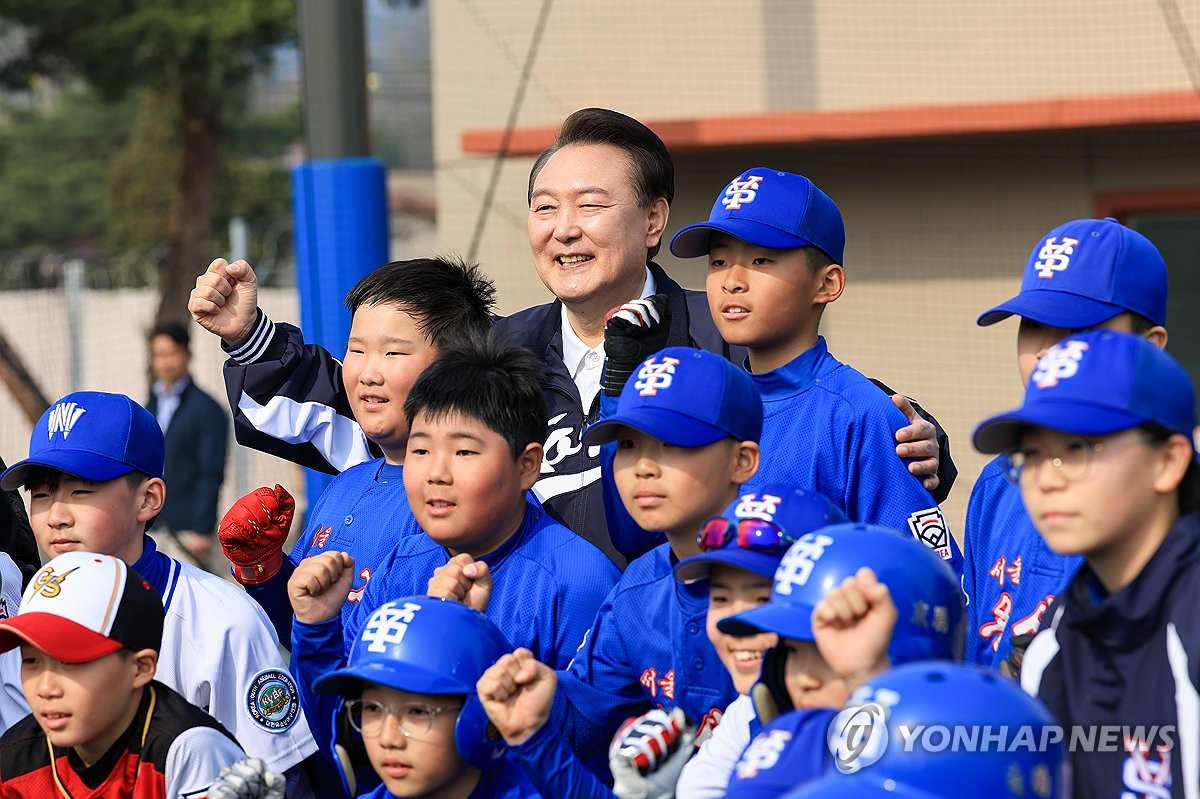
[
  {"x": 1072, "y": 461},
  {"x": 416, "y": 719}
]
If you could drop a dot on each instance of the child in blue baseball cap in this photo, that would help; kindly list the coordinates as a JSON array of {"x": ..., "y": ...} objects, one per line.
[
  {"x": 1103, "y": 451},
  {"x": 686, "y": 428},
  {"x": 740, "y": 552},
  {"x": 774, "y": 243},
  {"x": 1082, "y": 274}
]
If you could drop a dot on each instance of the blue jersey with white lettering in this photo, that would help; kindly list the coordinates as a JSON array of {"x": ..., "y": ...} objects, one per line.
[
  {"x": 363, "y": 511},
  {"x": 504, "y": 780},
  {"x": 647, "y": 648},
  {"x": 1010, "y": 576},
  {"x": 789, "y": 752},
  {"x": 547, "y": 584},
  {"x": 828, "y": 428}
]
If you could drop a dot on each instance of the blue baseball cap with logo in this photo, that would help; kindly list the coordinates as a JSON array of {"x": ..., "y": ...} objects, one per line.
[
  {"x": 687, "y": 398},
  {"x": 1097, "y": 383},
  {"x": 93, "y": 435},
  {"x": 1086, "y": 272},
  {"x": 757, "y": 528},
  {"x": 769, "y": 208}
]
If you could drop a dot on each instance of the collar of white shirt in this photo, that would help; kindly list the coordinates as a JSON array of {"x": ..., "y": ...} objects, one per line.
[{"x": 586, "y": 363}]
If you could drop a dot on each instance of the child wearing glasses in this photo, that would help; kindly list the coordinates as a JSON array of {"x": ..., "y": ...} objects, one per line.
[
  {"x": 1102, "y": 450},
  {"x": 408, "y": 709},
  {"x": 1084, "y": 274}
]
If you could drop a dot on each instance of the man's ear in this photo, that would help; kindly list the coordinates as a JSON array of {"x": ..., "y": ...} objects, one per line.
[
  {"x": 530, "y": 464},
  {"x": 152, "y": 493},
  {"x": 656, "y": 221}
]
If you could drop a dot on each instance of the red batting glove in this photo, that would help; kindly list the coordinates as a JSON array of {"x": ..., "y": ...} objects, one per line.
[{"x": 253, "y": 531}]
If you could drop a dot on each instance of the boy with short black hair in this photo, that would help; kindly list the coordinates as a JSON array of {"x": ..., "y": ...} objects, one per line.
[
  {"x": 474, "y": 450},
  {"x": 1083, "y": 274},
  {"x": 774, "y": 243},
  {"x": 678, "y": 461},
  {"x": 1103, "y": 452},
  {"x": 89, "y": 631},
  {"x": 402, "y": 315},
  {"x": 94, "y": 477}
]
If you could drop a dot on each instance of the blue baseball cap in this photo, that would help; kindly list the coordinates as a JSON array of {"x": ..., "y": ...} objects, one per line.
[
  {"x": 1096, "y": 383},
  {"x": 1086, "y": 272},
  {"x": 687, "y": 398},
  {"x": 93, "y": 435},
  {"x": 793, "y": 510},
  {"x": 772, "y": 209}
]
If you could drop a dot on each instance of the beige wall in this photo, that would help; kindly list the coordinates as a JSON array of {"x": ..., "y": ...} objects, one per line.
[{"x": 938, "y": 231}]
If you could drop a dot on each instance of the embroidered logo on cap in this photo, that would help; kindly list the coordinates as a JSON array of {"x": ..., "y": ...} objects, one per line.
[
  {"x": 1055, "y": 257},
  {"x": 49, "y": 584},
  {"x": 655, "y": 375},
  {"x": 1059, "y": 363},
  {"x": 63, "y": 417},
  {"x": 753, "y": 507},
  {"x": 741, "y": 192}
]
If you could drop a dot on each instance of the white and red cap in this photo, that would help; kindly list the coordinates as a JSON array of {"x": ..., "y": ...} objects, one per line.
[{"x": 82, "y": 606}]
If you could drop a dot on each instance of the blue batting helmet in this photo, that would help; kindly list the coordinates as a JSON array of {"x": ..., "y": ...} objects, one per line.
[
  {"x": 428, "y": 646},
  {"x": 931, "y": 624},
  {"x": 940, "y": 731}
]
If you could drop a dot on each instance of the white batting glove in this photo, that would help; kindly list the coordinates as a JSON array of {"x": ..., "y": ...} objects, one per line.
[
  {"x": 648, "y": 752},
  {"x": 248, "y": 779}
]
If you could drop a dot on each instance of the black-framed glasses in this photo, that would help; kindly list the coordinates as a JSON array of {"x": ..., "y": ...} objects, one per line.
[
  {"x": 1072, "y": 461},
  {"x": 756, "y": 534},
  {"x": 416, "y": 718}
]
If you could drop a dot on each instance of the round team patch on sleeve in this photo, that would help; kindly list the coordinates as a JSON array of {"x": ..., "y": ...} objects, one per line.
[{"x": 272, "y": 700}]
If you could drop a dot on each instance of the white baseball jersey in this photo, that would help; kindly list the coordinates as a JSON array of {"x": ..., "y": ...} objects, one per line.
[
  {"x": 220, "y": 652},
  {"x": 706, "y": 775}
]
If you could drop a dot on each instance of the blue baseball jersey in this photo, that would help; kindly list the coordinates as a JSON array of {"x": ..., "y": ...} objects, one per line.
[
  {"x": 1010, "y": 576},
  {"x": 789, "y": 752},
  {"x": 363, "y": 511},
  {"x": 829, "y": 428},
  {"x": 647, "y": 648},
  {"x": 547, "y": 584}
]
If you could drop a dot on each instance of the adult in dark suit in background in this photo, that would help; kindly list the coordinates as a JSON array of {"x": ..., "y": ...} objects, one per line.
[{"x": 197, "y": 442}]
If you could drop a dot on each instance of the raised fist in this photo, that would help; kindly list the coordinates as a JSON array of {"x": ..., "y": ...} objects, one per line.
[{"x": 252, "y": 532}]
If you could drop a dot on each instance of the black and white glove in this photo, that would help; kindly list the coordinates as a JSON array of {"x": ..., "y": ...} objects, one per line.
[
  {"x": 632, "y": 333},
  {"x": 1011, "y": 665},
  {"x": 648, "y": 752},
  {"x": 248, "y": 779}
]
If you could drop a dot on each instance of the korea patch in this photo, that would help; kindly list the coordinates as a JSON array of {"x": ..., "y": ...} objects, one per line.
[
  {"x": 272, "y": 700},
  {"x": 929, "y": 527}
]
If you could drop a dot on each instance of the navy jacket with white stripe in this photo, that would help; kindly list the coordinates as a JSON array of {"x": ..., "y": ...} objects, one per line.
[{"x": 1130, "y": 659}]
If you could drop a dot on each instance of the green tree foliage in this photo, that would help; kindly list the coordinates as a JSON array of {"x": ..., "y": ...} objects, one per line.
[{"x": 198, "y": 52}]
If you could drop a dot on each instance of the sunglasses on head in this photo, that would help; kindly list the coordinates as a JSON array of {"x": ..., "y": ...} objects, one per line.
[{"x": 759, "y": 535}]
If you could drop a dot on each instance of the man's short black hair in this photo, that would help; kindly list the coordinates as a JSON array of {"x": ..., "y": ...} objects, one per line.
[
  {"x": 652, "y": 170},
  {"x": 497, "y": 384},
  {"x": 173, "y": 330},
  {"x": 449, "y": 299}
]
